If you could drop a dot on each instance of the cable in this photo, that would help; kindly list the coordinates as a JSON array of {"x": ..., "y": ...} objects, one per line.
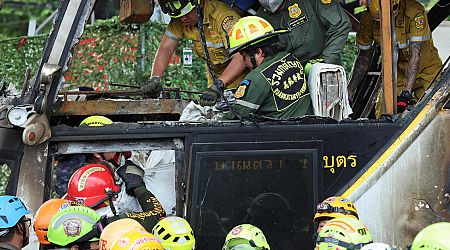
[{"x": 208, "y": 64}]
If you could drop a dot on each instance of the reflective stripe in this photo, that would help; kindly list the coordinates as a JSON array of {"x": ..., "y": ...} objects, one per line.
[
  {"x": 171, "y": 35},
  {"x": 363, "y": 47},
  {"x": 247, "y": 104},
  {"x": 214, "y": 45},
  {"x": 419, "y": 38}
]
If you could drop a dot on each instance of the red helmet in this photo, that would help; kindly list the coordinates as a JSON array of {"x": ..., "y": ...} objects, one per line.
[{"x": 89, "y": 185}]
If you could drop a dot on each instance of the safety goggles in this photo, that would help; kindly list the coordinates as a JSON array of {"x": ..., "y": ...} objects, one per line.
[{"x": 327, "y": 208}]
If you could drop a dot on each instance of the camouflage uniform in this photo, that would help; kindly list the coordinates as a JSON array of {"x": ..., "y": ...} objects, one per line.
[{"x": 65, "y": 167}]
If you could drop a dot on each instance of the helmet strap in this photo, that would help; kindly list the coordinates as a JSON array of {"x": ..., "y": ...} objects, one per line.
[{"x": 21, "y": 226}]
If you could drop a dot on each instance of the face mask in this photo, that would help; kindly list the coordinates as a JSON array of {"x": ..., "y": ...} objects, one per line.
[{"x": 271, "y": 5}]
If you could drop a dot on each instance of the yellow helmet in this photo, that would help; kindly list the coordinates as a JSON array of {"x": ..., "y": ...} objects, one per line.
[
  {"x": 137, "y": 239},
  {"x": 117, "y": 228},
  {"x": 96, "y": 121},
  {"x": 374, "y": 7},
  {"x": 249, "y": 31},
  {"x": 174, "y": 233},
  {"x": 176, "y": 9},
  {"x": 335, "y": 207}
]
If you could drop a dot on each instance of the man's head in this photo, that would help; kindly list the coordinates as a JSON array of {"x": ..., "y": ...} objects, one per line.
[
  {"x": 182, "y": 9},
  {"x": 14, "y": 225},
  {"x": 92, "y": 185},
  {"x": 245, "y": 236},
  {"x": 75, "y": 227},
  {"x": 174, "y": 233},
  {"x": 374, "y": 7},
  {"x": 343, "y": 233},
  {"x": 253, "y": 38},
  {"x": 334, "y": 207}
]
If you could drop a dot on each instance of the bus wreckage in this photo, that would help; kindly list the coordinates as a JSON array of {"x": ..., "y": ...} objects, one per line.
[{"x": 395, "y": 170}]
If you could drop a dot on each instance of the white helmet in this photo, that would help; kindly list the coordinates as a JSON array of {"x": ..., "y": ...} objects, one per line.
[
  {"x": 376, "y": 246},
  {"x": 271, "y": 5}
]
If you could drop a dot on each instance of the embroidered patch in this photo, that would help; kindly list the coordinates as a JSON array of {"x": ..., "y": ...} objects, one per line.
[
  {"x": 294, "y": 11},
  {"x": 242, "y": 90},
  {"x": 72, "y": 227},
  {"x": 420, "y": 21},
  {"x": 294, "y": 23},
  {"x": 287, "y": 80},
  {"x": 228, "y": 23},
  {"x": 326, "y": 1}
]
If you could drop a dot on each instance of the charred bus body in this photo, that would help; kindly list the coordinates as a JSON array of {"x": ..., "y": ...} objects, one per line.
[{"x": 395, "y": 171}]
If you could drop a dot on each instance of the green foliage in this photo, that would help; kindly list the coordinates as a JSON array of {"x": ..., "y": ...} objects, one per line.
[
  {"x": 5, "y": 172},
  {"x": 110, "y": 52}
]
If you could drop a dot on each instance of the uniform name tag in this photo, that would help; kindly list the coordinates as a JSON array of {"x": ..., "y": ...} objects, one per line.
[{"x": 294, "y": 23}]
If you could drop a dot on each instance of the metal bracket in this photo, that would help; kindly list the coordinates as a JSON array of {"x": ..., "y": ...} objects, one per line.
[{"x": 37, "y": 130}]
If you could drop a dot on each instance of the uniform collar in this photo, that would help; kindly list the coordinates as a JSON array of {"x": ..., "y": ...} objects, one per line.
[
  {"x": 399, "y": 19},
  {"x": 208, "y": 11}
]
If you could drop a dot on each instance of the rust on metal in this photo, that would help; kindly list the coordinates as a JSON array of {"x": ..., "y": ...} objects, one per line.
[{"x": 119, "y": 107}]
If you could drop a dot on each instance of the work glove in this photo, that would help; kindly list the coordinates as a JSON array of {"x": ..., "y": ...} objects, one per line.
[
  {"x": 132, "y": 175},
  {"x": 210, "y": 96},
  {"x": 152, "y": 87},
  {"x": 403, "y": 100}
]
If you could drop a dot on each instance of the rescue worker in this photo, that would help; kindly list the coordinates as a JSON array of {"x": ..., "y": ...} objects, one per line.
[
  {"x": 174, "y": 233},
  {"x": 434, "y": 236},
  {"x": 66, "y": 165},
  {"x": 14, "y": 225},
  {"x": 218, "y": 19},
  {"x": 44, "y": 216},
  {"x": 276, "y": 87},
  {"x": 75, "y": 227},
  {"x": 115, "y": 229},
  {"x": 343, "y": 233},
  {"x": 418, "y": 59},
  {"x": 137, "y": 240},
  {"x": 334, "y": 207},
  {"x": 245, "y": 236},
  {"x": 319, "y": 28},
  {"x": 94, "y": 186}
]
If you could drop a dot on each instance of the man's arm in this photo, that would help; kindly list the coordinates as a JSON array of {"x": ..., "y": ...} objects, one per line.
[
  {"x": 163, "y": 55},
  {"x": 360, "y": 69},
  {"x": 337, "y": 25},
  {"x": 415, "y": 49},
  {"x": 233, "y": 70}
]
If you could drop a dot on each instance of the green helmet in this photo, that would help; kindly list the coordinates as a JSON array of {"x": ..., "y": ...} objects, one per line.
[
  {"x": 435, "y": 236},
  {"x": 177, "y": 8},
  {"x": 343, "y": 233},
  {"x": 174, "y": 233},
  {"x": 73, "y": 224},
  {"x": 245, "y": 236}
]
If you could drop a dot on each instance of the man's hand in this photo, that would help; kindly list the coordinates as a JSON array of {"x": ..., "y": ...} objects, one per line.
[
  {"x": 403, "y": 100},
  {"x": 152, "y": 86},
  {"x": 210, "y": 96},
  {"x": 132, "y": 175}
]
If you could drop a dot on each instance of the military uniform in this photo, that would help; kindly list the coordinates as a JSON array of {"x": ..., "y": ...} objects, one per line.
[
  {"x": 277, "y": 88},
  {"x": 411, "y": 25},
  {"x": 319, "y": 28},
  {"x": 217, "y": 21}
]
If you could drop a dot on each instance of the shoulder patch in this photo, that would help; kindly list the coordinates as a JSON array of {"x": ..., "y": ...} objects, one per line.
[
  {"x": 420, "y": 21},
  {"x": 242, "y": 90},
  {"x": 228, "y": 23}
]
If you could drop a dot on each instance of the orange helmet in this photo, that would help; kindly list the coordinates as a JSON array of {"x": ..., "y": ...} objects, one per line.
[
  {"x": 335, "y": 207},
  {"x": 374, "y": 7},
  {"x": 91, "y": 185},
  {"x": 44, "y": 215}
]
